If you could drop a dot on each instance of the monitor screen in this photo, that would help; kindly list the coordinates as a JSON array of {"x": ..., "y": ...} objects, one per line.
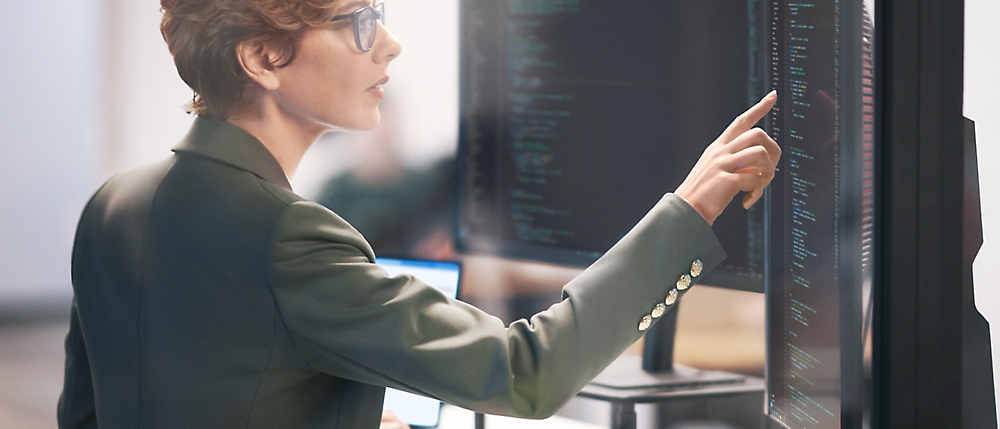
[
  {"x": 578, "y": 115},
  {"x": 415, "y": 410},
  {"x": 821, "y": 217}
]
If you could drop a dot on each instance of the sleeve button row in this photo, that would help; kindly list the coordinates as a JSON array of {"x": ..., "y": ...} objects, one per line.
[{"x": 683, "y": 283}]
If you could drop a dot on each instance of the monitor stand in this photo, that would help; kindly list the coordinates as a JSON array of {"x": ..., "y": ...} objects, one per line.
[
  {"x": 630, "y": 380},
  {"x": 657, "y": 370},
  {"x": 978, "y": 394}
]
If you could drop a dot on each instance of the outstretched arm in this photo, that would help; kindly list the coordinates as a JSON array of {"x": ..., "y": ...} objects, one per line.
[{"x": 349, "y": 319}]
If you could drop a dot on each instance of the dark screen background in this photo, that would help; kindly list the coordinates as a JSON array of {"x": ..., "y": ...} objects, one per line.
[{"x": 577, "y": 116}]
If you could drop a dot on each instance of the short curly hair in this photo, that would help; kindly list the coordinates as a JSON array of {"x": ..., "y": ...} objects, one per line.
[{"x": 202, "y": 36}]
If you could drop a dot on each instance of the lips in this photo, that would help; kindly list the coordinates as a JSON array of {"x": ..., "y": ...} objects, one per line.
[
  {"x": 377, "y": 88},
  {"x": 381, "y": 82}
]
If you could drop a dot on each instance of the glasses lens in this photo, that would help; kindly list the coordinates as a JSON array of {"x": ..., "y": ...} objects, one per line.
[
  {"x": 380, "y": 8},
  {"x": 366, "y": 28}
]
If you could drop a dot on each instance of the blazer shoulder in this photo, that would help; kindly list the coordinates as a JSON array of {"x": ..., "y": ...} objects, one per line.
[
  {"x": 307, "y": 223},
  {"x": 129, "y": 192},
  {"x": 141, "y": 180}
]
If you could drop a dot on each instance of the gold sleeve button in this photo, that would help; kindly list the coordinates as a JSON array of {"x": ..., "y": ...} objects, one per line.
[
  {"x": 684, "y": 282},
  {"x": 646, "y": 322},
  {"x": 671, "y": 297},
  {"x": 696, "y": 268},
  {"x": 658, "y": 311}
]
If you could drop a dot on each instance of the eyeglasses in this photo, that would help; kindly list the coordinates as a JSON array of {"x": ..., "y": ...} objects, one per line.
[{"x": 364, "y": 24}]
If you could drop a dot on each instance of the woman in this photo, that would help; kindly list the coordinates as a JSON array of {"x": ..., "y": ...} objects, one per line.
[{"x": 208, "y": 294}]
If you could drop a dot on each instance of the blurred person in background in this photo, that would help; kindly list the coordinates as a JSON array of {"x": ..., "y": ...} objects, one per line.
[
  {"x": 409, "y": 212},
  {"x": 402, "y": 211},
  {"x": 208, "y": 294}
]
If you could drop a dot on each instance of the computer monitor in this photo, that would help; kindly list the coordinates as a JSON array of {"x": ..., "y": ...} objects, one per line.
[
  {"x": 822, "y": 212},
  {"x": 578, "y": 116}
]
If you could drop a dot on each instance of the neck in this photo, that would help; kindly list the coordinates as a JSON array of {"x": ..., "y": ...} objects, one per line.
[{"x": 286, "y": 137}]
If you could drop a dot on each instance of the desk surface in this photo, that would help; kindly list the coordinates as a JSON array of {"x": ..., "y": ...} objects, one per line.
[{"x": 457, "y": 418}]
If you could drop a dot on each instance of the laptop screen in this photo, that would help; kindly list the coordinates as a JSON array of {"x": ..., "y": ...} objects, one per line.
[{"x": 413, "y": 409}]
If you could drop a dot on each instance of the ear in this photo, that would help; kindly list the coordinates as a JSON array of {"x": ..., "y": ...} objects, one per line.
[{"x": 256, "y": 59}]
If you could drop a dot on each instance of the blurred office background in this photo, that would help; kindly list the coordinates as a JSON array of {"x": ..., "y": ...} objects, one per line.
[{"x": 88, "y": 89}]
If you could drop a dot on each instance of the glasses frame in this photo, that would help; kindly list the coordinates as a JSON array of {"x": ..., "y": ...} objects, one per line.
[{"x": 355, "y": 17}]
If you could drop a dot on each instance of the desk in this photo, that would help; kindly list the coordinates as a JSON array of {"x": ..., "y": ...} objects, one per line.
[{"x": 739, "y": 403}]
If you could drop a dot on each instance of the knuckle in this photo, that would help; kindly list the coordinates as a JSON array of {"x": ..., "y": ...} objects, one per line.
[{"x": 740, "y": 120}]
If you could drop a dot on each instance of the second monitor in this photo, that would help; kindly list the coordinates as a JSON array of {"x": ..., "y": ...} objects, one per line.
[{"x": 577, "y": 116}]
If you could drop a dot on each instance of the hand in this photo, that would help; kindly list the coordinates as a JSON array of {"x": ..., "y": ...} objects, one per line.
[
  {"x": 390, "y": 421},
  {"x": 741, "y": 159}
]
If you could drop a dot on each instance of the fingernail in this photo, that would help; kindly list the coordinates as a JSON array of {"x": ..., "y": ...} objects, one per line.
[{"x": 773, "y": 94}]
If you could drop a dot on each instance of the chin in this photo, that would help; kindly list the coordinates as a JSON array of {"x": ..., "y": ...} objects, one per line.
[
  {"x": 375, "y": 120},
  {"x": 360, "y": 122}
]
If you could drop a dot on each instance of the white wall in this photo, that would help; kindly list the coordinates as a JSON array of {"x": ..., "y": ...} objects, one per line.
[
  {"x": 144, "y": 97},
  {"x": 425, "y": 77},
  {"x": 982, "y": 95},
  {"x": 49, "y": 123}
]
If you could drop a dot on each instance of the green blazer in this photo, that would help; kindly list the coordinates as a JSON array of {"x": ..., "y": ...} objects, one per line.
[{"x": 209, "y": 295}]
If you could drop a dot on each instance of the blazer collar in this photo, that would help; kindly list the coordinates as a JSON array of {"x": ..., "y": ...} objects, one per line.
[{"x": 229, "y": 144}]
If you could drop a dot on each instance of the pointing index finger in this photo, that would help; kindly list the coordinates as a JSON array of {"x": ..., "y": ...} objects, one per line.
[{"x": 748, "y": 119}]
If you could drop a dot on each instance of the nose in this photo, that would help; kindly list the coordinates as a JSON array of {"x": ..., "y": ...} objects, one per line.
[{"x": 387, "y": 46}]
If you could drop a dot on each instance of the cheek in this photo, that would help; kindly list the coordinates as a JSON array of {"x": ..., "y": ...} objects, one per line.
[
  {"x": 328, "y": 83},
  {"x": 335, "y": 94}
]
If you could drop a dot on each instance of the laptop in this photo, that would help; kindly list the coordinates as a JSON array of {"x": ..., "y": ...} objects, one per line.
[{"x": 414, "y": 410}]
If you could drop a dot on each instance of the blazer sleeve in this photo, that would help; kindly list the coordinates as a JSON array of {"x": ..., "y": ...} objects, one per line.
[
  {"x": 76, "y": 409},
  {"x": 349, "y": 319}
]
